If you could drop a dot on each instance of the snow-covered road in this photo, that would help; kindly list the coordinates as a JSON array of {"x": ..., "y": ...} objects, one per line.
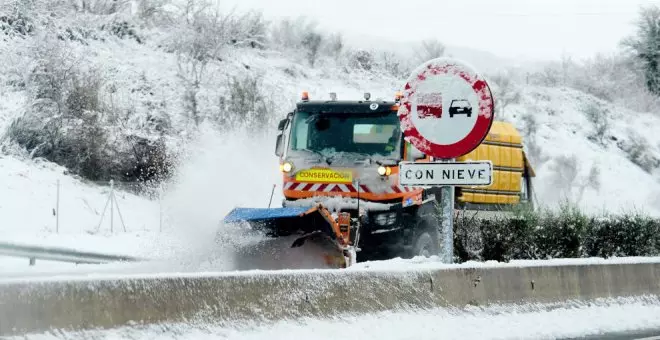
[{"x": 500, "y": 322}]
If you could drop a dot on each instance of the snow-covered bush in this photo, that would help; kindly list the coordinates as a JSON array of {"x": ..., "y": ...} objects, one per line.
[
  {"x": 15, "y": 19},
  {"x": 150, "y": 11},
  {"x": 598, "y": 117},
  {"x": 312, "y": 42},
  {"x": 637, "y": 149},
  {"x": 631, "y": 234},
  {"x": 567, "y": 181},
  {"x": 468, "y": 240},
  {"x": 546, "y": 234},
  {"x": 249, "y": 29},
  {"x": 302, "y": 37},
  {"x": 428, "y": 49},
  {"x": 643, "y": 46},
  {"x": 68, "y": 121},
  {"x": 565, "y": 171},
  {"x": 64, "y": 122},
  {"x": 507, "y": 239},
  {"x": 288, "y": 33},
  {"x": 100, "y": 7},
  {"x": 123, "y": 29},
  {"x": 245, "y": 104},
  {"x": 557, "y": 234},
  {"x": 505, "y": 93},
  {"x": 199, "y": 39},
  {"x": 334, "y": 45},
  {"x": 361, "y": 60},
  {"x": 393, "y": 64}
]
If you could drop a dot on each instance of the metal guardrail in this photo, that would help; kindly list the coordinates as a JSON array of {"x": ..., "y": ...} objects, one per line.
[{"x": 60, "y": 254}]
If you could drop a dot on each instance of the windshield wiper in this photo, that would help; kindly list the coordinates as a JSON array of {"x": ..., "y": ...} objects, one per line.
[
  {"x": 323, "y": 158},
  {"x": 311, "y": 118},
  {"x": 367, "y": 157}
]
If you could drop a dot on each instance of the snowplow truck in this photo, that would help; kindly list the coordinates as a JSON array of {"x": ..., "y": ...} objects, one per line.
[{"x": 342, "y": 199}]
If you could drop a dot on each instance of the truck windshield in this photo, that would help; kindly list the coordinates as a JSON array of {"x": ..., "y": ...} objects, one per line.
[{"x": 370, "y": 134}]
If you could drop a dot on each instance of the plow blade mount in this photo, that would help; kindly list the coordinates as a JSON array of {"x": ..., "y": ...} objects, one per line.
[{"x": 293, "y": 238}]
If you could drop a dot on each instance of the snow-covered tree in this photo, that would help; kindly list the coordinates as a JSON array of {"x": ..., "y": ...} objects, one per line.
[
  {"x": 505, "y": 93},
  {"x": 645, "y": 45},
  {"x": 429, "y": 49}
]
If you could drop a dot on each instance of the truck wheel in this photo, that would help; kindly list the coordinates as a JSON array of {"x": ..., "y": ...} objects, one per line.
[
  {"x": 425, "y": 242},
  {"x": 424, "y": 246}
]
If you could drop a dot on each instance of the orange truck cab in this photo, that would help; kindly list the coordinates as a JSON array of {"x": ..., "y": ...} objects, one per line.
[{"x": 345, "y": 155}]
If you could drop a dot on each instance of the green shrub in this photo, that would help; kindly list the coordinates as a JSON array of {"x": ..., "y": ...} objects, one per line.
[
  {"x": 505, "y": 239},
  {"x": 468, "y": 242},
  {"x": 559, "y": 235},
  {"x": 625, "y": 235},
  {"x": 546, "y": 234}
]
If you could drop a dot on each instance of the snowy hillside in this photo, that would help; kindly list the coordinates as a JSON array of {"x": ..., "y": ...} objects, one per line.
[
  {"x": 28, "y": 206},
  {"x": 148, "y": 94},
  {"x": 601, "y": 156}
]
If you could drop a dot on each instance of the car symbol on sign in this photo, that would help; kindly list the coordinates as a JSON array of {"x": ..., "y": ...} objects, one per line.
[
  {"x": 430, "y": 105},
  {"x": 460, "y": 106}
]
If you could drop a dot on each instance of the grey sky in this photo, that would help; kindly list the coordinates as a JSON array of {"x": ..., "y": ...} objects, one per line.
[{"x": 510, "y": 28}]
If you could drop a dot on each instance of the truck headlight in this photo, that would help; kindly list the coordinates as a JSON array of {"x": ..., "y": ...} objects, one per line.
[
  {"x": 384, "y": 170},
  {"x": 286, "y": 167},
  {"x": 385, "y": 219}
]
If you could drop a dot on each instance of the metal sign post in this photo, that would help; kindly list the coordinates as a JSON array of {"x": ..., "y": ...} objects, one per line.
[
  {"x": 447, "y": 208},
  {"x": 446, "y": 111}
]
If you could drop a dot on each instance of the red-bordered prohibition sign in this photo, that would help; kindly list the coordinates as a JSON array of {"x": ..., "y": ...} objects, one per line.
[{"x": 446, "y": 109}]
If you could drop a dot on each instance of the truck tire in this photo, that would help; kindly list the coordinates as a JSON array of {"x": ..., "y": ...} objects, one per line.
[{"x": 425, "y": 241}]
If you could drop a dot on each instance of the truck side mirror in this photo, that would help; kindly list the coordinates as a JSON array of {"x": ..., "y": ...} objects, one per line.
[
  {"x": 282, "y": 124},
  {"x": 279, "y": 145}
]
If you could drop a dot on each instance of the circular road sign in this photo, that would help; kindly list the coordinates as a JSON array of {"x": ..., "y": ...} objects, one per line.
[{"x": 446, "y": 109}]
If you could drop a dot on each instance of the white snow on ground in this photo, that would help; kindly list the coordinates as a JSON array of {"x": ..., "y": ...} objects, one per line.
[
  {"x": 497, "y": 322},
  {"x": 28, "y": 201}
]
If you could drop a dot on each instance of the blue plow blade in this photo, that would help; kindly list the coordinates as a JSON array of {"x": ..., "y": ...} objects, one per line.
[
  {"x": 260, "y": 214},
  {"x": 281, "y": 221},
  {"x": 292, "y": 240}
]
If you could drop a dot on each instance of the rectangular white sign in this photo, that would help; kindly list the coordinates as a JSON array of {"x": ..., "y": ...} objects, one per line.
[{"x": 439, "y": 174}]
